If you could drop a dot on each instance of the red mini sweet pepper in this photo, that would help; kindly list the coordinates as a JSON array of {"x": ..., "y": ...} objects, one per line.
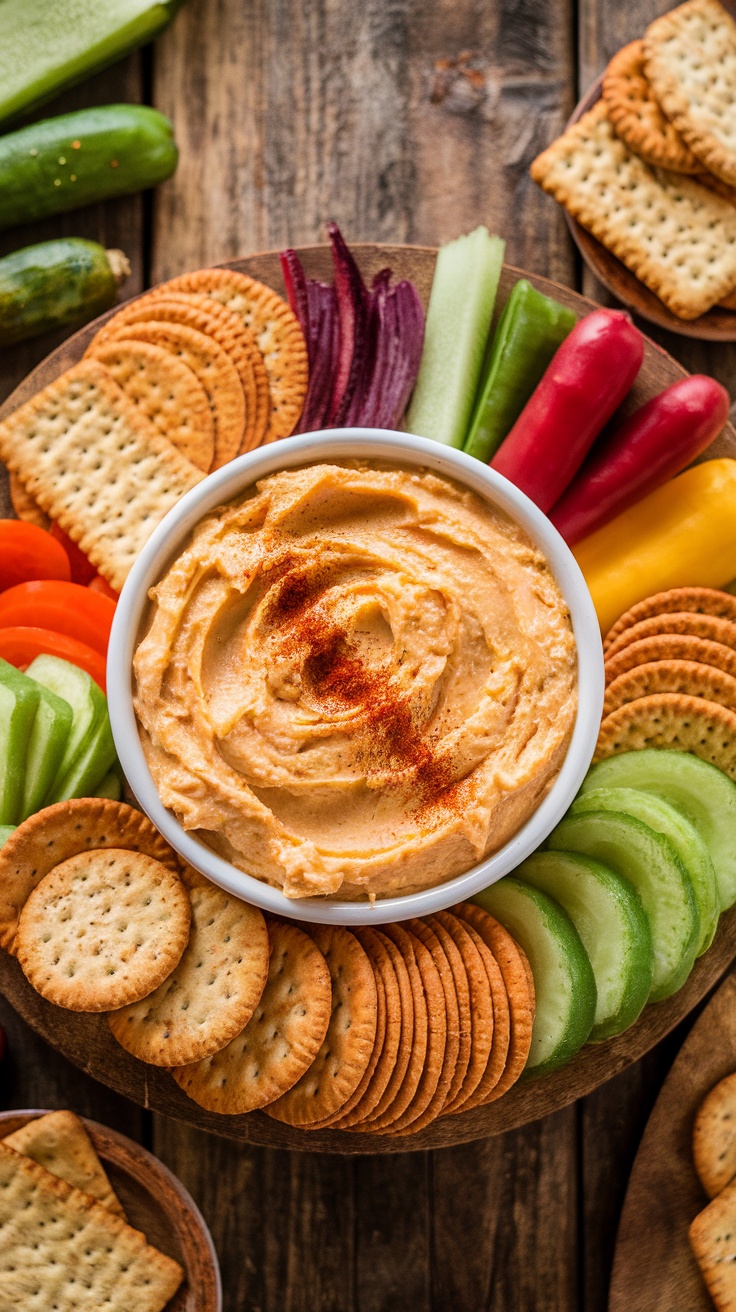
[{"x": 586, "y": 381}]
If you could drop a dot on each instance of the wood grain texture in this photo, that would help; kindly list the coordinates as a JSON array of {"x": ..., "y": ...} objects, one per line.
[
  {"x": 654, "y": 1269},
  {"x": 155, "y": 1203}
]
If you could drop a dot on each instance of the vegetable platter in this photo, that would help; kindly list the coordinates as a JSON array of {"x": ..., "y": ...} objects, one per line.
[{"x": 86, "y": 1039}]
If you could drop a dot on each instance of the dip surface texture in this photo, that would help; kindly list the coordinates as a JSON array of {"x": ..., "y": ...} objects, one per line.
[{"x": 358, "y": 680}]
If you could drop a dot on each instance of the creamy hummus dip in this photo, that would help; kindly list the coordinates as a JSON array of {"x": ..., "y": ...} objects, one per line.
[{"x": 357, "y": 679}]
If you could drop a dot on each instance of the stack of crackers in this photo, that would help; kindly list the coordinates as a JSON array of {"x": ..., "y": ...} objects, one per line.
[
  {"x": 713, "y": 1232},
  {"x": 670, "y": 667},
  {"x": 65, "y": 1242},
  {"x": 176, "y": 384},
  {"x": 378, "y": 1030},
  {"x": 651, "y": 169}
]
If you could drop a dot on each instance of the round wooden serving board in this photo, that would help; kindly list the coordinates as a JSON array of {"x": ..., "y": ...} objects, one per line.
[
  {"x": 717, "y": 325},
  {"x": 654, "y": 1269},
  {"x": 156, "y": 1203},
  {"x": 86, "y": 1039}
]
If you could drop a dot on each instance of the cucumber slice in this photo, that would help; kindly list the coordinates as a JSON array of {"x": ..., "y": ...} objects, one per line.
[
  {"x": 649, "y": 861},
  {"x": 90, "y": 766},
  {"x": 563, "y": 976},
  {"x": 46, "y": 747},
  {"x": 458, "y": 323},
  {"x": 684, "y": 837},
  {"x": 613, "y": 927},
  {"x": 5, "y": 832},
  {"x": 700, "y": 791},
  {"x": 111, "y": 786},
  {"x": 89, "y": 709},
  {"x": 19, "y": 697}
]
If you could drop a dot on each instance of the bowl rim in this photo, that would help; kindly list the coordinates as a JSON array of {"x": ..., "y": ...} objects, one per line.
[{"x": 233, "y": 480}]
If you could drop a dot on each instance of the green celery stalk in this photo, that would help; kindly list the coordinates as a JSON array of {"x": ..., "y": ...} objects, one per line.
[
  {"x": 47, "y": 45},
  {"x": 458, "y": 323},
  {"x": 529, "y": 332}
]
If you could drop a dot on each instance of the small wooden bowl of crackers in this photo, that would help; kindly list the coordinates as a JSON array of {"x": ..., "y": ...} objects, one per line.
[
  {"x": 646, "y": 172},
  {"x": 73, "y": 1189}
]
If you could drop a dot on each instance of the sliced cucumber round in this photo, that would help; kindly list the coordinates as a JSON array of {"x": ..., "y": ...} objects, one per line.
[
  {"x": 649, "y": 861},
  {"x": 608, "y": 914},
  {"x": 700, "y": 791},
  {"x": 563, "y": 976},
  {"x": 684, "y": 837}
]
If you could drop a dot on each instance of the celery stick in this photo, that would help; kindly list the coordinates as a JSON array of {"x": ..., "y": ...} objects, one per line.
[{"x": 458, "y": 323}]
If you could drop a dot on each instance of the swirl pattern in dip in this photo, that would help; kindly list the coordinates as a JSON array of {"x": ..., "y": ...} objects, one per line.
[{"x": 358, "y": 680}]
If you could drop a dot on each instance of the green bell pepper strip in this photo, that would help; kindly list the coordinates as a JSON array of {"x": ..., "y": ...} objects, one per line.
[{"x": 529, "y": 332}]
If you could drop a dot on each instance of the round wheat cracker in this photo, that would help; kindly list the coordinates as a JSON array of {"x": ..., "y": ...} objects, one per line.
[
  {"x": 693, "y": 601},
  {"x": 671, "y": 647},
  {"x": 346, "y": 1051},
  {"x": 418, "y": 1037},
  {"x": 674, "y": 721},
  {"x": 671, "y": 676},
  {"x": 277, "y": 333},
  {"x": 473, "y": 952},
  {"x": 63, "y": 830},
  {"x": 714, "y": 1137},
  {"x": 213, "y": 991},
  {"x": 282, "y": 1037},
  {"x": 103, "y": 929},
  {"x": 405, "y": 1037}
]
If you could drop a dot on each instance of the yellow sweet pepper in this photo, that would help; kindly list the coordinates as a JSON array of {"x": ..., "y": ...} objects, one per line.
[{"x": 682, "y": 535}]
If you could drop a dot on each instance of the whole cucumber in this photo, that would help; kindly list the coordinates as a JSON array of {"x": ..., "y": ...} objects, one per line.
[
  {"x": 46, "y": 45},
  {"x": 56, "y": 284},
  {"x": 77, "y": 159}
]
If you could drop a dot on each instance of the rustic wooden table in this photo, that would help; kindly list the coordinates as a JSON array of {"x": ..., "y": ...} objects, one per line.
[{"x": 404, "y": 122}]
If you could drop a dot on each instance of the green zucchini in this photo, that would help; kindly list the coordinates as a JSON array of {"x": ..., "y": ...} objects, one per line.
[
  {"x": 47, "y": 45},
  {"x": 77, "y": 159},
  {"x": 56, "y": 284}
]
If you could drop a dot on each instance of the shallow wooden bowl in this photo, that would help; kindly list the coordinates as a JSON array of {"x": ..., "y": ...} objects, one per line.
[
  {"x": 654, "y": 1269},
  {"x": 86, "y": 1039},
  {"x": 716, "y": 326},
  {"x": 156, "y": 1203}
]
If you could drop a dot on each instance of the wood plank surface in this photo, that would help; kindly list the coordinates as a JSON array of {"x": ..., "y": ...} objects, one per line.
[{"x": 405, "y": 122}]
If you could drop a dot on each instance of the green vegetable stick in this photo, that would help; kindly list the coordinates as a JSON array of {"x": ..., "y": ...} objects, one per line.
[
  {"x": 46, "y": 45},
  {"x": 458, "y": 322},
  {"x": 529, "y": 332},
  {"x": 19, "y": 698}
]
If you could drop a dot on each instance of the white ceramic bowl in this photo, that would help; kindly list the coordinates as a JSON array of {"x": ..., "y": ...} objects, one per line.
[{"x": 232, "y": 480}]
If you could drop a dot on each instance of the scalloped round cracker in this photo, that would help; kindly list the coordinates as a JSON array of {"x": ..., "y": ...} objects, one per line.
[
  {"x": 431, "y": 1091},
  {"x": 418, "y": 1036},
  {"x": 406, "y": 1035},
  {"x": 277, "y": 333},
  {"x": 216, "y": 321},
  {"x": 167, "y": 391},
  {"x": 282, "y": 1037},
  {"x": 694, "y": 601},
  {"x": 637, "y": 116},
  {"x": 714, "y": 1137},
  {"x": 102, "y": 929},
  {"x": 369, "y": 1090},
  {"x": 63, "y": 830},
  {"x": 710, "y": 627},
  {"x": 346, "y": 1051},
  {"x": 690, "y": 61},
  {"x": 376, "y": 947},
  {"x": 212, "y": 993},
  {"x": 671, "y": 647},
  {"x": 461, "y": 990},
  {"x": 214, "y": 370},
  {"x": 519, "y": 986},
  {"x": 443, "y": 1042},
  {"x": 671, "y": 676},
  {"x": 671, "y": 720},
  {"x": 473, "y": 952}
]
